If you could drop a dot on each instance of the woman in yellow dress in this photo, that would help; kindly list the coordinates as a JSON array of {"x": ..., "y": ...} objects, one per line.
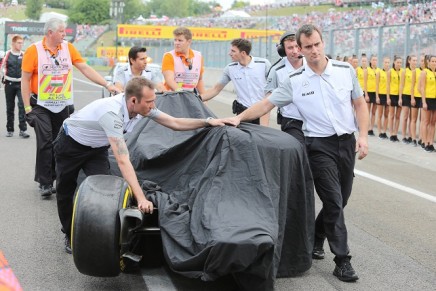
[{"x": 427, "y": 84}]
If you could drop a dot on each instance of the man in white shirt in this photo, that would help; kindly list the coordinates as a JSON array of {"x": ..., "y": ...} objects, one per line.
[
  {"x": 138, "y": 67},
  {"x": 288, "y": 116},
  {"x": 84, "y": 139},
  {"x": 329, "y": 98},
  {"x": 248, "y": 75}
]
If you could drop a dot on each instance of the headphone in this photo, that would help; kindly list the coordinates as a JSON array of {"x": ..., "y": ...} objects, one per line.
[{"x": 280, "y": 46}]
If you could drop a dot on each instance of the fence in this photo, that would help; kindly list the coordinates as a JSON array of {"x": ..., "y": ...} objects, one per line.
[{"x": 381, "y": 41}]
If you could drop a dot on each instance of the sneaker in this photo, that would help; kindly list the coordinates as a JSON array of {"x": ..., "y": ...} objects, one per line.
[
  {"x": 420, "y": 142},
  {"x": 404, "y": 140},
  {"x": 318, "y": 250},
  {"x": 345, "y": 272},
  {"x": 10, "y": 134},
  {"x": 392, "y": 138},
  {"x": 45, "y": 190},
  {"x": 371, "y": 132},
  {"x": 68, "y": 249},
  {"x": 24, "y": 134},
  {"x": 414, "y": 143},
  {"x": 423, "y": 145},
  {"x": 384, "y": 136},
  {"x": 409, "y": 140}
]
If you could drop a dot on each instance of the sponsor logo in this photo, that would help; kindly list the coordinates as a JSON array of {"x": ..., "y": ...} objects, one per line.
[{"x": 307, "y": 93}]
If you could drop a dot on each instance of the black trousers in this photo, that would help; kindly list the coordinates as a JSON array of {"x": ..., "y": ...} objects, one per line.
[
  {"x": 71, "y": 157},
  {"x": 332, "y": 162},
  {"x": 293, "y": 127},
  {"x": 46, "y": 125},
  {"x": 238, "y": 108},
  {"x": 12, "y": 90}
]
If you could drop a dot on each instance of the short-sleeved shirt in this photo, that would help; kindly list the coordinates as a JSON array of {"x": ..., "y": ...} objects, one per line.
[
  {"x": 249, "y": 81},
  {"x": 152, "y": 75},
  {"x": 324, "y": 101},
  {"x": 92, "y": 125},
  {"x": 277, "y": 74},
  {"x": 168, "y": 62},
  {"x": 30, "y": 61}
]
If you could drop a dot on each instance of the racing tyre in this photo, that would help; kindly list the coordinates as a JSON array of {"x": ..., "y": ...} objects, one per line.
[{"x": 95, "y": 234}]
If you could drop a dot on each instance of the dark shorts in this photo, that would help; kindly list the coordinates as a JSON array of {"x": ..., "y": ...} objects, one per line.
[
  {"x": 431, "y": 103},
  {"x": 405, "y": 99},
  {"x": 418, "y": 102},
  {"x": 372, "y": 98},
  {"x": 394, "y": 100},
  {"x": 383, "y": 100}
]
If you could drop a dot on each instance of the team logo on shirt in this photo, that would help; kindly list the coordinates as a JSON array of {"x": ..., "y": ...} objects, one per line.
[
  {"x": 118, "y": 124},
  {"x": 305, "y": 84}
]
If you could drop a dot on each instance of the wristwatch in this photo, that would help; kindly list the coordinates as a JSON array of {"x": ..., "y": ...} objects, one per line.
[{"x": 207, "y": 121}]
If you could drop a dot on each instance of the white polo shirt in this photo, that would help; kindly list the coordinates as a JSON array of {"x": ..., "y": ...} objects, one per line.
[
  {"x": 324, "y": 101},
  {"x": 107, "y": 117},
  {"x": 278, "y": 73},
  {"x": 125, "y": 75},
  {"x": 249, "y": 81}
]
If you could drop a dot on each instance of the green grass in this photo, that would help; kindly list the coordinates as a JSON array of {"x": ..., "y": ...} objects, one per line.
[
  {"x": 17, "y": 13},
  {"x": 299, "y": 10}
]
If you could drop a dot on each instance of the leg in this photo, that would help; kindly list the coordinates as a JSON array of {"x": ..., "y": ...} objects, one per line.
[
  {"x": 10, "y": 106},
  {"x": 21, "y": 112}
]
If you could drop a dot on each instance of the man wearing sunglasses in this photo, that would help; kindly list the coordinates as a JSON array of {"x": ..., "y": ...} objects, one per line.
[{"x": 183, "y": 67}]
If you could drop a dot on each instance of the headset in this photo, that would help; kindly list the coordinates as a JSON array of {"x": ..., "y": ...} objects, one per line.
[{"x": 280, "y": 47}]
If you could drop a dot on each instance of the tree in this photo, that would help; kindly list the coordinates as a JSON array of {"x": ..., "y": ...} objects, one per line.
[
  {"x": 134, "y": 8},
  {"x": 33, "y": 9},
  {"x": 89, "y": 12},
  {"x": 239, "y": 4}
]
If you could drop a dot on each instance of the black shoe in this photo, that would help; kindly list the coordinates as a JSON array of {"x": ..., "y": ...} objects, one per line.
[
  {"x": 24, "y": 134},
  {"x": 68, "y": 249},
  {"x": 405, "y": 140},
  {"x": 45, "y": 190},
  {"x": 429, "y": 148},
  {"x": 345, "y": 272},
  {"x": 318, "y": 250},
  {"x": 420, "y": 142},
  {"x": 371, "y": 132},
  {"x": 392, "y": 138},
  {"x": 409, "y": 140},
  {"x": 414, "y": 143}
]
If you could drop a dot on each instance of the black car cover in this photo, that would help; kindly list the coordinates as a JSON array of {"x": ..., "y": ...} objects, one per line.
[{"x": 236, "y": 201}]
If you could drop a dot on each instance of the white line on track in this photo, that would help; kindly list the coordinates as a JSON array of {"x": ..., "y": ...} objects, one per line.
[{"x": 396, "y": 185}]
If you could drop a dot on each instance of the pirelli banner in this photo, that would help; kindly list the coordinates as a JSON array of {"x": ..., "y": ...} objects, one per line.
[
  {"x": 198, "y": 33},
  {"x": 109, "y": 52}
]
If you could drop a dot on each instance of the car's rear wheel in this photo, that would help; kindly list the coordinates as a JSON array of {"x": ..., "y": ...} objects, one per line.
[{"x": 95, "y": 235}]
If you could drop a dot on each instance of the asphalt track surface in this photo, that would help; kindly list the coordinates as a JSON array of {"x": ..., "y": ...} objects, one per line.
[{"x": 391, "y": 220}]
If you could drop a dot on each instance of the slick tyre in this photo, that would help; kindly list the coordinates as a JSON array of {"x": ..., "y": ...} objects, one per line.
[{"x": 95, "y": 234}]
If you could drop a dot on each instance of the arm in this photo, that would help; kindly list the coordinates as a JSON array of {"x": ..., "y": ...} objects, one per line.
[
  {"x": 365, "y": 84},
  {"x": 362, "y": 121},
  {"x": 200, "y": 86},
  {"x": 422, "y": 81},
  {"x": 377, "y": 82},
  {"x": 185, "y": 123},
  {"x": 169, "y": 80},
  {"x": 412, "y": 93},
  {"x": 92, "y": 75},
  {"x": 388, "y": 87},
  {"x": 264, "y": 119},
  {"x": 212, "y": 92},
  {"x": 400, "y": 92},
  {"x": 25, "y": 89},
  {"x": 121, "y": 154}
]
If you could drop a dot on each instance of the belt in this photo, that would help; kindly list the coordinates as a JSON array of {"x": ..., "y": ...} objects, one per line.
[{"x": 344, "y": 136}]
